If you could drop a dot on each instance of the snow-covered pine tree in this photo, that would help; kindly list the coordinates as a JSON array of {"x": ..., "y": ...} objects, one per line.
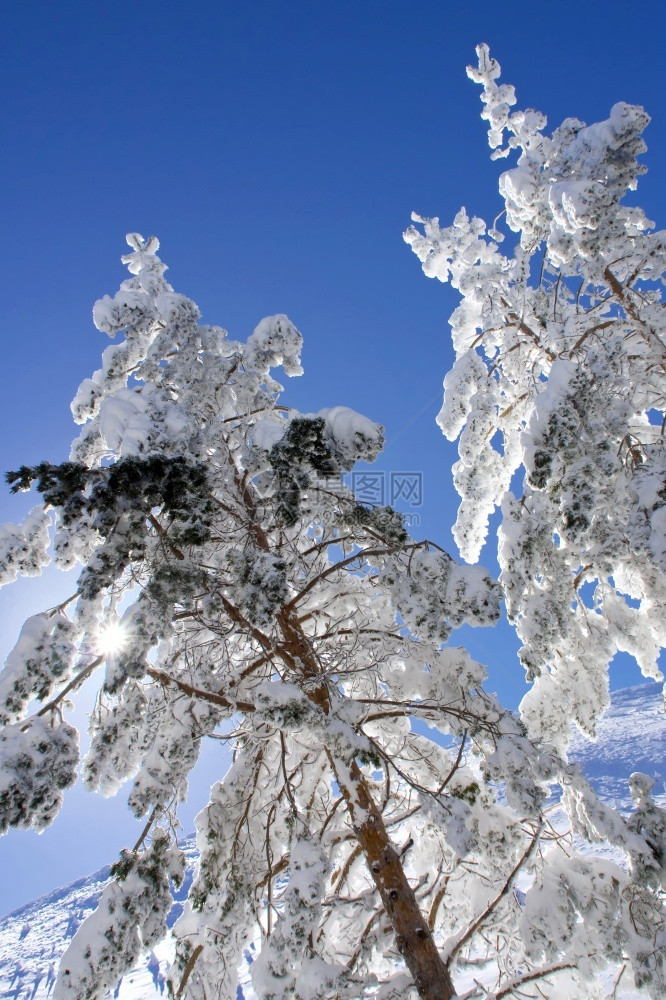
[
  {"x": 233, "y": 589},
  {"x": 557, "y": 396}
]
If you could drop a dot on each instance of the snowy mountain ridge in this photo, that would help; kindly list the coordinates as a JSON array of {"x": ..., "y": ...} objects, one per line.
[
  {"x": 631, "y": 737},
  {"x": 34, "y": 937}
]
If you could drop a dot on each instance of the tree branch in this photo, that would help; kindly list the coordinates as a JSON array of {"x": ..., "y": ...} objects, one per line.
[
  {"x": 471, "y": 930},
  {"x": 215, "y": 699}
]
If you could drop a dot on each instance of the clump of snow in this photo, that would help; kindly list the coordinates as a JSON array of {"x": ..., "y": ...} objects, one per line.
[
  {"x": 23, "y": 547},
  {"x": 274, "y": 342},
  {"x": 37, "y": 763},
  {"x": 42, "y": 657}
]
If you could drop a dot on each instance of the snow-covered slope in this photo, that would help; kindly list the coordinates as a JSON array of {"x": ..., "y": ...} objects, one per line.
[
  {"x": 33, "y": 938},
  {"x": 632, "y": 736}
]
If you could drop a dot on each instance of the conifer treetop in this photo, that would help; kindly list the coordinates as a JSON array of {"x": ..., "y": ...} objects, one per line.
[
  {"x": 557, "y": 397},
  {"x": 252, "y": 601}
]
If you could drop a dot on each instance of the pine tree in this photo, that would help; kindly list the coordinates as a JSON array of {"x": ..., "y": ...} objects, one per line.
[
  {"x": 232, "y": 588},
  {"x": 557, "y": 397}
]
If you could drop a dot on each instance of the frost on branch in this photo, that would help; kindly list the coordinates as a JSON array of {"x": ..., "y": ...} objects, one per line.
[
  {"x": 171, "y": 754},
  {"x": 42, "y": 658},
  {"x": 437, "y": 595},
  {"x": 23, "y": 547},
  {"x": 253, "y": 601},
  {"x": 217, "y": 922},
  {"x": 121, "y": 735},
  {"x": 130, "y": 917},
  {"x": 286, "y": 966},
  {"x": 36, "y": 765},
  {"x": 322, "y": 445},
  {"x": 649, "y": 822},
  {"x": 276, "y": 341},
  {"x": 260, "y": 584},
  {"x": 112, "y": 505},
  {"x": 557, "y": 399}
]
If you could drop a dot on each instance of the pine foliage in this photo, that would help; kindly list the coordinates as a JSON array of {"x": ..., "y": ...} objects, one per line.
[
  {"x": 557, "y": 398},
  {"x": 381, "y": 808}
]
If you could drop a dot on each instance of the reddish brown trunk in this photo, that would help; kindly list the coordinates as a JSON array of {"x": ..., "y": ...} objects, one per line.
[{"x": 413, "y": 936}]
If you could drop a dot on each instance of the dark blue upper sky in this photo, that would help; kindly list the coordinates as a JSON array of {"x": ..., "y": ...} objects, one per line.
[{"x": 277, "y": 150}]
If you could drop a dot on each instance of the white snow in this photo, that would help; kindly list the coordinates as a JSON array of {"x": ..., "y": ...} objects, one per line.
[{"x": 32, "y": 939}]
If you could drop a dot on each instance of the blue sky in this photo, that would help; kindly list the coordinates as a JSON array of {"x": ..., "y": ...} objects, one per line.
[{"x": 277, "y": 150}]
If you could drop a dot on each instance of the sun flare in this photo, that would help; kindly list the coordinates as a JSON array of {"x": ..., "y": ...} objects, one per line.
[{"x": 113, "y": 638}]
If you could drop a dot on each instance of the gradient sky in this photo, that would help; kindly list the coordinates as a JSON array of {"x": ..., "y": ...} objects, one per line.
[{"x": 277, "y": 150}]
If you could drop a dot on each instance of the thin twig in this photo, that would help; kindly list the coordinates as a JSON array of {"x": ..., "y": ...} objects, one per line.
[{"x": 471, "y": 930}]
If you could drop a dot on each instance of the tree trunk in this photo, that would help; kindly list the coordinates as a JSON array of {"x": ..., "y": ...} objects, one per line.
[
  {"x": 412, "y": 934},
  {"x": 413, "y": 937}
]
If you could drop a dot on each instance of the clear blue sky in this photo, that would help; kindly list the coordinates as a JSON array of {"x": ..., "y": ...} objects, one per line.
[{"x": 277, "y": 149}]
